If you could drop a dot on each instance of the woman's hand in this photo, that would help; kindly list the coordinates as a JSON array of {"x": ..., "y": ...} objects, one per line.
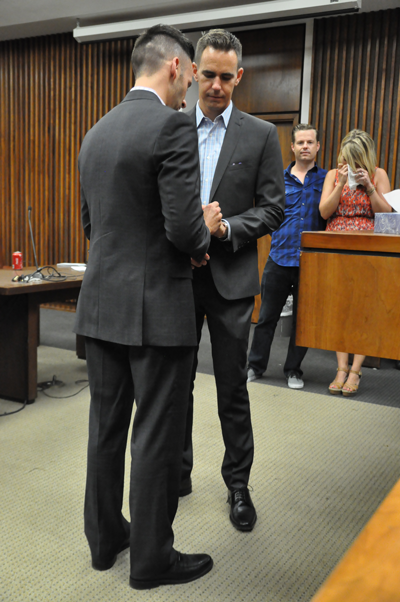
[
  {"x": 362, "y": 177},
  {"x": 343, "y": 170}
]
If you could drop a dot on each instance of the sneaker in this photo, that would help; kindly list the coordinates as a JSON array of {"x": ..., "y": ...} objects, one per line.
[
  {"x": 251, "y": 375},
  {"x": 287, "y": 309},
  {"x": 294, "y": 381}
]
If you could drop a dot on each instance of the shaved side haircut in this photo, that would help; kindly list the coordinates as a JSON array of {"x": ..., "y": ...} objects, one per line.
[{"x": 157, "y": 45}]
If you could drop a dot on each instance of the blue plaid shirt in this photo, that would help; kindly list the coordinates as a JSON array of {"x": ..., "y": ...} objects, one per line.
[{"x": 301, "y": 214}]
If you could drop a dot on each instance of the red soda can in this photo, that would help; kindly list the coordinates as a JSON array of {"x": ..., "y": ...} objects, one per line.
[{"x": 17, "y": 260}]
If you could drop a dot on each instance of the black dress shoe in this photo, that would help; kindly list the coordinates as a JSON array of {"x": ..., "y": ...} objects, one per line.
[
  {"x": 243, "y": 514},
  {"x": 105, "y": 564},
  {"x": 186, "y": 568},
  {"x": 186, "y": 487}
]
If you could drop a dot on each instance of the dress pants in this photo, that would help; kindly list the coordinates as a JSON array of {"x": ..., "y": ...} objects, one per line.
[
  {"x": 158, "y": 378},
  {"x": 229, "y": 326},
  {"x": 277, "y": 283}
]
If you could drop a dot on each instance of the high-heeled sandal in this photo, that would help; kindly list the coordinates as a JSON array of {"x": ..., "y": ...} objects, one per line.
[
  {"x": 336, "y": 386},
  {"x": 352, "y": 389}
]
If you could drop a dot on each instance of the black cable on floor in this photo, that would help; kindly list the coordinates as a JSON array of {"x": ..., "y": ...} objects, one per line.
[
  {"x": 43, "y": 386},
  {"x": 15, "y": 411}
]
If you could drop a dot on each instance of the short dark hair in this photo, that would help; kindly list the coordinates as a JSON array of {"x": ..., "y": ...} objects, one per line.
[
  {"x": 157, "y": 44},
  {"x": 220, "y": 39},
  {"x": 302, "y": 127}
]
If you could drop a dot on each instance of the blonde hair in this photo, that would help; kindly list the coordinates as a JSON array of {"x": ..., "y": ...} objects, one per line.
[{"x": 358, "y": 148}]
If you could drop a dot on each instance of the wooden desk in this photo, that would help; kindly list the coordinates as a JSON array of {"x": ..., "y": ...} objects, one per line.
[
  {"x": 349, "y": 293},
  {"x": 19, "y": 320},
  {"x": 370, "y": 570}
]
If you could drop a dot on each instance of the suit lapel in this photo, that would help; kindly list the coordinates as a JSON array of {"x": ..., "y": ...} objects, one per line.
[{"x": 230, "y": 141}]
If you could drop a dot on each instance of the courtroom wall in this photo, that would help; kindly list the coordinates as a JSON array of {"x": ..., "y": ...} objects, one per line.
[
  {"x": 356, "y": 84},
  {"x": 52, "y": 90}
]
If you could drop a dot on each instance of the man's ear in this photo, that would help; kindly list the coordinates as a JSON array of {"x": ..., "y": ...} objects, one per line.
[
  {"x": 318, "y": 146},
  {"x": 292, "y": 147},
  {"x": 239, "y": 76},
  {"x": 175, "y": 66},
  {"x": 195, "y": 72}
]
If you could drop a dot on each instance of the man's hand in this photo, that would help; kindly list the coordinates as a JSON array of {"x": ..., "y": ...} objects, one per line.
[
  {"x": 212, "y": 216},
  {"x": 196, "y": 264},
  {"x": 222, "y": 231}
]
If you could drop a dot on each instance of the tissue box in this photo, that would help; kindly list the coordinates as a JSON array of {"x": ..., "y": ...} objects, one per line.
[{"x": 387, "y": 223}]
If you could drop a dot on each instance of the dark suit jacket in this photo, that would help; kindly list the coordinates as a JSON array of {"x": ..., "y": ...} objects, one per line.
[
  {"x": 141, "y": 210},
  {"x": 249, "y": 186}
]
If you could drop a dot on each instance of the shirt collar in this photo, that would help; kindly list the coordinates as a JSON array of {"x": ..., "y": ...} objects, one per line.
[
  {"x": 147, "y": 90},
  {"x": 226, "y": 115},
  {"x": 288, "y": 170}
]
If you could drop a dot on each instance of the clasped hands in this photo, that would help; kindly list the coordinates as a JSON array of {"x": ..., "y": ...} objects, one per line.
[
  {"x": 361, "y": 176},
  {"x": 212, "y": 217}
]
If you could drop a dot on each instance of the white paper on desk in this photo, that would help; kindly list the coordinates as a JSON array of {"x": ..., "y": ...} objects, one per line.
[
  {"x": 78, "y": 268},
  {"x": 393, "y": 198}
]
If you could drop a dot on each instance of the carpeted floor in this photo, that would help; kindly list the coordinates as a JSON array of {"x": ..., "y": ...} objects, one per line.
[{"x": 322, "y": 466}]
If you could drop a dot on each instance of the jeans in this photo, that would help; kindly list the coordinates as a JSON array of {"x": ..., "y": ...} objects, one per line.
[{"x": 277, "y": 283}]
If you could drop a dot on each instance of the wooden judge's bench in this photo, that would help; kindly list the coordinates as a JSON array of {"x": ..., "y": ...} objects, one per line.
[{"x": 349, "y": 293}]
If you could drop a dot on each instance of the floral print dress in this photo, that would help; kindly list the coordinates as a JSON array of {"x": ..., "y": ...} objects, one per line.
[{"x": 354, "y": 211}]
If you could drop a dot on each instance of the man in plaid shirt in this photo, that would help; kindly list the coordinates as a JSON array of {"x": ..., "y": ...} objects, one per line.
[{"x": 303, "y": 187}]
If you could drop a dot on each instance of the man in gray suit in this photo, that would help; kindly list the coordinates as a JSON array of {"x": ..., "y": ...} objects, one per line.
[
  {"x": 141, "y": 211},
  {"x": 241, "y": 168}
]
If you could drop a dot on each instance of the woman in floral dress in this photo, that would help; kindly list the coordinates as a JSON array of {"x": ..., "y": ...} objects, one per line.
[{"x": 351, "y": 196}]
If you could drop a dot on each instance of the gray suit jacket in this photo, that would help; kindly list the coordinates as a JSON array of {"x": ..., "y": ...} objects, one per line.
[
  {"x": 141, "y": 210},
  {"x": 250, "y": 188}
]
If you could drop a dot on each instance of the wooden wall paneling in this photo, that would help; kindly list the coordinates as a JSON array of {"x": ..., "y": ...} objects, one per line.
[
  {"x": 72, "y": 159},
  {"x": 272, "y": 61},
  {"x": 34, "y": 193},
  {"x": 378, "y": 99},
  {"x": 324, "y": 114},
  {"x": 359, "y": 69},
  {"x": 117, "y": 77},
  {"x": 113, "y": 92},
  {"x": 30, "y": 95},
  {"x": 3, "y": 152},
  {"x": 40, "y": 223},
  {"x": 350, "y": 80},
  {"x": 396, "y": 153},
  {"x": 51, "y": 166},
  {"x": 335, "y": 66},
  {"x": 21, "y": 133},
  {"x": 394, "y": 108},
  {"x": 52, "y": 91},
  {"x": 58, "y": 108},
  {"x": 388, "y": 70},
  {"x": 359, "y": 37},
  {"x": 10, "y": 201},
  {"x": 66, "y": 146},
  {"x": 315, "y": 81},
  {"x": 373, "y": 89},
  {"x": 341, "y": 95},
  {"x": 367, "y": 79}
]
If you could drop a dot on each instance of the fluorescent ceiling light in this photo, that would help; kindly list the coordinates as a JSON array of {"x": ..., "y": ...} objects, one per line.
[{"x": 274, "y": 10}]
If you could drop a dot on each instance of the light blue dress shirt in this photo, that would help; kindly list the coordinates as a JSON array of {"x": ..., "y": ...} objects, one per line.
[{"x": 211, "y": 136}]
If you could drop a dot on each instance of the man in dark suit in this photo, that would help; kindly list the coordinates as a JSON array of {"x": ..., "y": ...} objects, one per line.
[
  {"x": 241, "y": 168},
  {"x": 141, "y": 211}
]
